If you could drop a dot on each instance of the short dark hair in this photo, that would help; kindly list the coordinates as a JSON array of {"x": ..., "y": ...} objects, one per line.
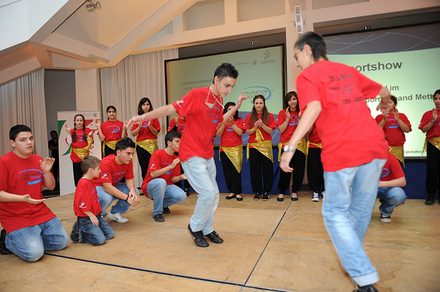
[
  {"x": 124, "y": 143},
  {"x": 316, "y": 43},
  {"x": 288, "y": 96},
  {"x": 225, "y": 109},
  {"x": 17, "y": 129},
  {"x": 225, "y": 70},
  {"x": 141, "y": 102},
  {"x": 394, "y": 99},
  {"x": 88, "y": 162},
  {"x": 53, "y": 132},
  {"x": 171, "y": 135},
  {"x": 436, "y": 92}
]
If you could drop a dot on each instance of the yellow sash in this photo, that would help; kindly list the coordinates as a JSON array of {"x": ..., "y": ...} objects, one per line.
[
  {"x": 397, "y": 151},
  {"x": 111, "y": 144},
  {"x": 302, "y": 146},
  {"x": 84, "y": 151},
  {"x": 435, "y": 141},
  {"x": 319, "y": 145},
  {"x": 235, "y": 154},
  {"x": 264, "y": 147},
  {"x": 149, "y": 145}
]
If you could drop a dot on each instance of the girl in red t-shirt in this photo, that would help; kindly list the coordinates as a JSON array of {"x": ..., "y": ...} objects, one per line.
[
  {"x": 430, "y": 124},
  {"x": 146, "y": 135},
  {"x": 260, "y": 124},
  {"x": 394, "y": 125},
  {"x": 231, "y": 152},
  {"x": 111, "y": 131},
  {"x": 82, "y": 142},
  {"x": 287, "y": 122}
]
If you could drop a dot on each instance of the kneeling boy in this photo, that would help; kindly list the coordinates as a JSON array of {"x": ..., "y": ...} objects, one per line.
[{"x": 163, "y": 173}]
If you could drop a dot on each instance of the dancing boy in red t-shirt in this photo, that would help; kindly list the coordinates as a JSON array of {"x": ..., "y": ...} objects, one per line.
[
  {"x": 90, "y": 226},
  {"x": 202, "y": 109},
  {"x": 30, "y": 228},
  {"x": 353, "y": 149}
]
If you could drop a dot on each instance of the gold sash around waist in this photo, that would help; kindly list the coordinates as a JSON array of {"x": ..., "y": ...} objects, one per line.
[
  {"x": 435, "y": 141},
  {"x": 398, "y": 152},
  {"x": 264, "y": 147},
  {"x": 84, "y": 151},
  {"x": 81, "y": 152},
  {"x": 149, "y": 145},
  {"x": 111, "y": 144},
  {"x": 319, "y": 145},
  {"x": 235, "y": 155},
  {"x": 302, "y": 146}
]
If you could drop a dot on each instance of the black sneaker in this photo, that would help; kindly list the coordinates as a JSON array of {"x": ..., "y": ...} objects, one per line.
[
  {"x": 265, "y": 196},
  {"x": 158, "y": 218},
  {"x": 366, "y": 288},
  {"x": 257, "y": 196},
  {"x": 214, "y": 237},
  {"x": 74, "y": 235},
  {"x": 166, "y": 210},
  {"x": 3, "y": 249},
  {"x": 429, "y": 200},
  {"x": 198, "y": 237}
]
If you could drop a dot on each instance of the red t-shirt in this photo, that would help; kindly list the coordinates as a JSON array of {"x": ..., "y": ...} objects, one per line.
[
  {"x": 112, "y": 130},
  {"x": 229, "y": 137},
  {"x": 159, "y": 160},
  {"x": 201, "y": 122},
  {"x": 350, "y": 136},
  {"x": 180, "y": 124},
  {"x": 79, "y": 143},
  {"x": 271, "y": 124},
  {"x": 111, "y": 172},
  {"x": 86, "y": 199},
  {"x": 20, "y": 177},
  {"x": 392, "y": 169},
  {"x": 394, "y": 135},
  {"x": 435, "y": 129},
  {"x": 314, "y": 137},
  {"x": 144, "y": 132},
  {"x": 291, "y": 126}
]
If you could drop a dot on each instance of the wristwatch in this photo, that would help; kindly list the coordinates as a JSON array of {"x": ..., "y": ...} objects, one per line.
[{"x": 287, "y": 148}]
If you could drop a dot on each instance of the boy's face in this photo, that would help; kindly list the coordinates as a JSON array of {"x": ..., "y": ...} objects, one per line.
[
  {"x": 174, "y": 145},
  {"x": 23, "y": 145},
  {"x": 437, "y": 101},
  {"x": 223, "y": 86},
  {"x": 304, "y": 57},
  {"x": 95, "y": 171},
  {"x": 126, "y": 155}
]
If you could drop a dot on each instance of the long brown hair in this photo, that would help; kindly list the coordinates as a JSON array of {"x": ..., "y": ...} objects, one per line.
[
  {"x": 254, "y": 115},
  {"x": 74, "y": 128}
]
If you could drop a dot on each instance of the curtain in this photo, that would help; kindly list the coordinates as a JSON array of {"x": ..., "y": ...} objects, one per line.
[
  {"x": 133, "y": 78},
  {"x": 22, "y": 101}
]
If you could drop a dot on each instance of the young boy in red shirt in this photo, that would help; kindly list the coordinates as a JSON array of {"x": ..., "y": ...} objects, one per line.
[
  {"x": 90, "y": 226},
  {"x": 30, "y": 227}
]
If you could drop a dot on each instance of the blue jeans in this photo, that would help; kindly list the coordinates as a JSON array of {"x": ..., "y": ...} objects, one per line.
[
  {"x": 105, "y": 200},
  {"x": 201, "y": 175},
  {"x": 90, "y": 233},
  {"x": 164, "y": 195},
  {"x": 390, "y": 198},
  {"x": 347, "y": 208},
  {"x": 29, "y": 243}
]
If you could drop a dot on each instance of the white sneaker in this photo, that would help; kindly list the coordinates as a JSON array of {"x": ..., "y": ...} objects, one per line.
[
  {"x": 315, "y": 197},
  {"x": 117, "y": 217}
]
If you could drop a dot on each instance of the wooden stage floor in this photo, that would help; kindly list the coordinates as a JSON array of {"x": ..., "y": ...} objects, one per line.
[{"x": 269, "y": 246}]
